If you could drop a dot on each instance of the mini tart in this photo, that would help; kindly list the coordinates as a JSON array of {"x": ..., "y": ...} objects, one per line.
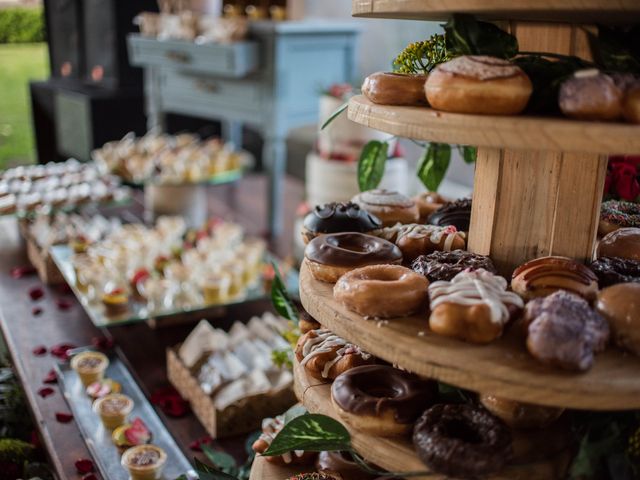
[
  {"x": 102, "y": 388},
  {"x": 113, "y": 409},
  {"x": 144, "y": 462},
  {"x": 478, "y": 84},
  {"x": 116, "y": 302},
  {"x": 90, "y": 366}
]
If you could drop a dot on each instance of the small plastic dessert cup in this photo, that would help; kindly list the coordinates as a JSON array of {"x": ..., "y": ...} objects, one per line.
[
  {"x": 113, "y": 409},
  {"x": 90, "y": 366},
  {"x": 144, "y": 462}
]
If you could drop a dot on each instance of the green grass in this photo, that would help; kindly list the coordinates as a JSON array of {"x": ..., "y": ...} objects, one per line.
[{"x": 19, "y": 63}]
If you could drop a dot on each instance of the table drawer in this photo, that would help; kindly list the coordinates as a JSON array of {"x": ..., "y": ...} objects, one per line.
[
  {"x": 236, "y": 59},
  {"x": 211, "y": 92}
]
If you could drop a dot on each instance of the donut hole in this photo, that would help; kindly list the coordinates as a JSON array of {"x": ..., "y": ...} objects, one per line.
[{"x": 460, "y": 430}]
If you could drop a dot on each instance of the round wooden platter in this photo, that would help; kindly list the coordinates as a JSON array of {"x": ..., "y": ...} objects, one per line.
[
  {"x": 585, "y": 11},
  {"x": 263, "y": 470},
  {"x": 398, "y": 455},
  {"x": 502, "y": 368},
  {"x": 515, "y": 132}
]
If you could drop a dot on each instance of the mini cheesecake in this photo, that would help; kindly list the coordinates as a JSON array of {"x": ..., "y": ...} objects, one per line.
[
  {"x": 144, "y": 462},
  {"x": 113, "y": 409},
  {"x": 116, "y": 302},
  {"x": 90, "y": 366}
]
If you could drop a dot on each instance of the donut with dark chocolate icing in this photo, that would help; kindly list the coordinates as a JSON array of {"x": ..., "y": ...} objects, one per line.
[
  {"x": 446, "y": 265},
  {"x": 612, "y": 270},
  {"x": 381, "y": 400},
  {"x": 462, "y": 441},
  {"x": 623, "y": 243},
  {"x": 332, "y": 255},
  {"x": 457, "y": 213},
  {"x": 338, "y": 217}
]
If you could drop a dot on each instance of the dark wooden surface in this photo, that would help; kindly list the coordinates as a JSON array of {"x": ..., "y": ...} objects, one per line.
[{"x": 143, "y": 347}]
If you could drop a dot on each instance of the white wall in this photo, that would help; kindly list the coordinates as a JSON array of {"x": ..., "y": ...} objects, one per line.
[{"x": 380, "y": 41}]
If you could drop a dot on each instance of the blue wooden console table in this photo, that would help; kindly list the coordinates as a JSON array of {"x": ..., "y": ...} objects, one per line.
[{"x": 271, "y": 82}]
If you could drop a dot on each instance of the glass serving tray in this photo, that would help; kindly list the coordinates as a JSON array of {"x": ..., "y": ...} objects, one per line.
[
  {"x": 98, "y": 439},
  {"x": 138, "y": 312}
]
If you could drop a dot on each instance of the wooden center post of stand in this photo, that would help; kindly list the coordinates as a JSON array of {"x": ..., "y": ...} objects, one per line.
[{"x": 528, "y": 204}]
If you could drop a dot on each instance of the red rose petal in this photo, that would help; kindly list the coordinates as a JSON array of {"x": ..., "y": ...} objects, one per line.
[
  {"x": 44, "y": 392},
  {"x": 170, "y": 402},
  {"x": 61, "y": 351},
  {"x": 63, "y": 304},
  {"x": 39, "y": 351},
  {"x": 63, "y": 417},
  {"x": 36, "y": 293},
  {"x": 84, "y": 466},
  {"x": 196, "y": 445},
  {"x": 35, "y": 311},
  {"x": 102, "y": 343},
  {"x": 64, "y": 289},
  {"x": 22, "y": 271},
  {"x": 51, "y": 377}
]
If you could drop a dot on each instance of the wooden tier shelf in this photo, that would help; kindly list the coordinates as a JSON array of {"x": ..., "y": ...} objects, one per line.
[
  {"x": 623, "y": 11},
  {"x": 502, "y": 368},
  {"x": 515, "y": 132},
  {"x": 397, "y": 454},
  {"x": 263, "y": 470}
]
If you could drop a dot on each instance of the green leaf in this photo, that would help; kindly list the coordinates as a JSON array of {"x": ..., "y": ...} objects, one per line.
[
  {"x": 312, "y": 433},
  {"x": 205, "y": 472},
  {"x": 467, "y": 36},
  {"x": 282, "y": 358},
  {"x": 371, "y": 164},
  {"x": 616, "y": 49},
  {"x": 334, "y": 115},
  {"x": 280, "y": 298},
  {"x": 222, "y": 460},
  {"x": 469, "y": 154},
  {"x": 434, "y": 164}
]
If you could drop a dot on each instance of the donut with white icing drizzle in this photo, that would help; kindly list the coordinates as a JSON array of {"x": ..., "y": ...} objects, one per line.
[
  {"x": 474, "y": 306},
  {"x": 414, "y": 239}
]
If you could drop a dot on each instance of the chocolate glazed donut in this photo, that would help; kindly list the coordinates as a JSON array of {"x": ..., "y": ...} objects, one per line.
[
  {"x": 336, "y": 218},
  {"x": 381, "y": 400},
  {"x": 456, "y": 213},
  {"x": 462, "y": 441}
]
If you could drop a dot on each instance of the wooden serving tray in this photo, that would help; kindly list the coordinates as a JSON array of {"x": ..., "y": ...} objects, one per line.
[
  {"x": 502, "y": 368},
  {"x": 518, "y": 132},
  {"x": 397, "y": 454}
]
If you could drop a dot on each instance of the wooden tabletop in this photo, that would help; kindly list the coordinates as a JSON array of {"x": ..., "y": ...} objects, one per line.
[{"x": 143, "y": 347}]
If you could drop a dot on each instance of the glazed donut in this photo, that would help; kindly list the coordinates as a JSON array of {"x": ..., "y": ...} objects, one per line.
[
  {"x": 270, "y": 429},
  {"x": 414, "y": 239},
  {"x": 615, "y": 214},
  {"x": 307, "y": 322},
  {"x": 478, "y": 84},
  {"x": 428, "y": 202},
  {"x": 381, "y": 400},
  {"x": 474, "y": 306},
  {"x": 620, "y": 306},
  {"x": 446, "y": 265},
  {"x": 324, "y": 355},
  {"x": 545, "y": 275},
  {"x": 388, "y": 88},
  {"x": 382, "y": 291},
  {"x": 390, "y": 207},
  {"x": 337, "y": 218},
  {"x": 343, "y": 464},
  {"x": 462, "y": 441},
  {"x": 590, "y": 95},
  {"x": 631, "y": 104},
  {"x": 520, "y": 414},
  {"x": 612, "y": 270},
  {"x": 331, "y": 256},
  {"x": 621, "y": 243},
  {"x": 563, "y": 331},
  {"x": 457, "y": 213}
]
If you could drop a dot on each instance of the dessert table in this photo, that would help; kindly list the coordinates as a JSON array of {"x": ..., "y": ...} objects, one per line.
[{"x": 23, "y": 331}]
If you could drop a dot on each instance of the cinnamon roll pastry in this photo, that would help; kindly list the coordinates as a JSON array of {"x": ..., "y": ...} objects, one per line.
[
  {"x": 324, "y": 355},
  {"x": 414, "y": 239},
  {"x": 474, "y": 306}
]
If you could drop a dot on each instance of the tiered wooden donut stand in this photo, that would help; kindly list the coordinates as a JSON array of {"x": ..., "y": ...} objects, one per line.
[{"x": 538, "y": 188}]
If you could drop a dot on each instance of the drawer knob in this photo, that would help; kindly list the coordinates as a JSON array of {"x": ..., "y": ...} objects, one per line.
[{"x": 207, "y": 86}]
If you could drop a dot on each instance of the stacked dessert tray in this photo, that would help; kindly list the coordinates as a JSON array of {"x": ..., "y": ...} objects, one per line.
[
  {"x": 538, "y": 190},
  {"x": 99, "y": 439}
]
